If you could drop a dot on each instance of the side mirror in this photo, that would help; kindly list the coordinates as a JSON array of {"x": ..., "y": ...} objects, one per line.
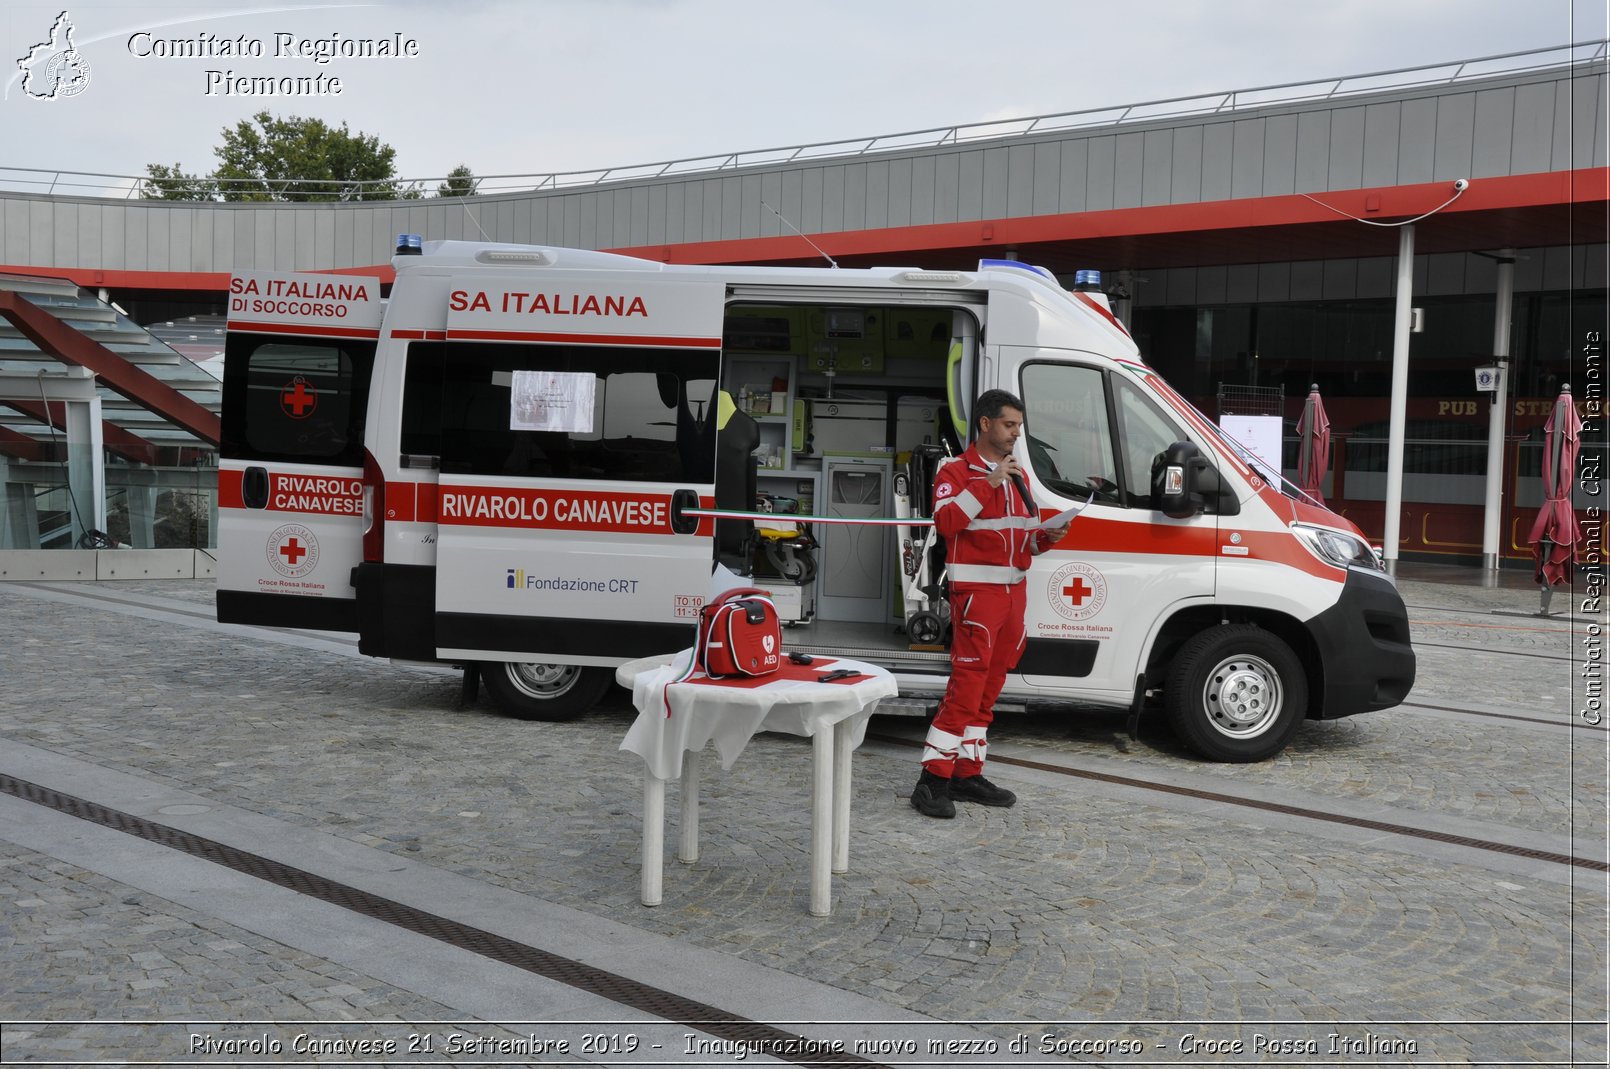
[
  {"x": 1184, "y": 484},
  {"x": 1174, "y": 476}
]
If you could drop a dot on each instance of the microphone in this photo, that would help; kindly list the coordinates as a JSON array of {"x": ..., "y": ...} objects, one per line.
[{"x": 1022, "y": 488}]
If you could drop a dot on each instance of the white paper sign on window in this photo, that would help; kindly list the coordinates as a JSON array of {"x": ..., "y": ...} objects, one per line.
[
  {"x": 552, "y": 401},
  {"x": 1260, "y": 435}
]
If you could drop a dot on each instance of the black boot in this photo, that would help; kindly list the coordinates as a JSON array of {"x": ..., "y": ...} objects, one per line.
[
  {"x": 980, "y": 790},
  {"x": 932, "y": 796}
]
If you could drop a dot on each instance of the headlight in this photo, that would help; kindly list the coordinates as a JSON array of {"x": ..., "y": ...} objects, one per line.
[{"x": 1336, "y": 547}]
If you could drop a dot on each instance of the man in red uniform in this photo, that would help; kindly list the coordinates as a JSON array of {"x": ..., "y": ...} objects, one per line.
[{"x": 983, "y": 509}]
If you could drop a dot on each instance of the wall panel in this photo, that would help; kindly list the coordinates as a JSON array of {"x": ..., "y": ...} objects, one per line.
[
  {"x": 1218, "y": 152},
  {"x": 1492, "y": 139},
  {"x": 900, "y": 189},
  {"x": 1185, "y": 186},
  {"x": 1417, "y": 142},
  {"x": 1456, "y": 128},
  {"x": 1280, "y": 155},
  {"x": 1246, "y": 161},
  {"x": 1383, "y": 125},
  {"x": 1100, "y": 172},
  {"x": 1074, "y": 182},
  {"x": 1047, "y": 179},
  {"x": 1129, "y": 163},
  {"x": 1346, "y": 149}
]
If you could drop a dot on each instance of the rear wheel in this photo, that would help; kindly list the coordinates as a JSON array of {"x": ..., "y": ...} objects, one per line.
[
  {"x": 1235, "y": 693},
  {"x": 538, "y": 691}
]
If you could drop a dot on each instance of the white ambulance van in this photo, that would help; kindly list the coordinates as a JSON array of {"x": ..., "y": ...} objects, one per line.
[{"x": 495, "y": 465}]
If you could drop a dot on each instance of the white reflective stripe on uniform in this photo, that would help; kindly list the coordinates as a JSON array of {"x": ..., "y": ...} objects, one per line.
[
  {"x": 940, "y": 746},
  {"x": 1002, "y": 523},
  {"x": 968, "y": 503},
  {"x": 972, "y": 744},
  {"x": 1004, "y": 574}
]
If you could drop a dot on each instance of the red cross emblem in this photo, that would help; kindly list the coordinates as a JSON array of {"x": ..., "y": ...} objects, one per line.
[
  {"x": 297, "y": 399},
  {"x": 1076, "y": 591},
  {"x": 293, "y": 551}
]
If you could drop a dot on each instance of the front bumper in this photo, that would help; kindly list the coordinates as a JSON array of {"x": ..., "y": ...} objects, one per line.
[{"x": 1364, "y": 646}]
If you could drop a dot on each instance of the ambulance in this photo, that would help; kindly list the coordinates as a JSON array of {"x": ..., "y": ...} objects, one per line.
[{"x": 517, "y": 460}]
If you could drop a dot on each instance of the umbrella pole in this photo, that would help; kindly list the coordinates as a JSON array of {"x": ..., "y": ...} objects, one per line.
[{"x": 1545, "y": 547}]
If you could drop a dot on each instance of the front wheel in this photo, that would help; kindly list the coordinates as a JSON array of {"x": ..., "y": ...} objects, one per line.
[
  {"x": 552, "y": 692},
  {"x": 1235, "y": 693}
]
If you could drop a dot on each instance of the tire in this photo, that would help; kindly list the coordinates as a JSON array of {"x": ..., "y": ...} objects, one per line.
[
  {"x": 925, "y": 628},
  {"x": 1235, "y": 693},
  {"x": 551, "y": 692}
]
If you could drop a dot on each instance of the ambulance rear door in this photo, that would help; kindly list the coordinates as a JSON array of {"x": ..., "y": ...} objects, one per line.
[
  {"x": 578, "y": 425},
  {"x": 297, "y": 364}
]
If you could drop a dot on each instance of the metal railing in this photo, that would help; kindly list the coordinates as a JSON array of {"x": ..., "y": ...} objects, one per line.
[{"x": 37, "y": 180}]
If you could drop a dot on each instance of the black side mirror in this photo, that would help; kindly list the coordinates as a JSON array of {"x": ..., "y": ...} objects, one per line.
[
  {"x": 1174, "y": 479},
  {"x": 1184, "y": 484}
]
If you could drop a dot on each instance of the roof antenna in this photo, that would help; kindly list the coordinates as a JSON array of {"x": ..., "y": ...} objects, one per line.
[{"x": 801, "y": 233}]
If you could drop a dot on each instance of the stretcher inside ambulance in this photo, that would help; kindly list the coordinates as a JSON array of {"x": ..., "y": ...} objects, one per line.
[{"x": 541, "y": 462}]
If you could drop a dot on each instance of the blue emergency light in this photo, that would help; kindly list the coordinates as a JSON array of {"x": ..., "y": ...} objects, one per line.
[{"x": 410, "y": 245}]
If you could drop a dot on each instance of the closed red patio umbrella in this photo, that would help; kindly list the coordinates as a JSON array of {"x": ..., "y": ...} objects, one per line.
[
  {"x": 1313, "y": 454},
  {"x": 1554, "y": 534}
]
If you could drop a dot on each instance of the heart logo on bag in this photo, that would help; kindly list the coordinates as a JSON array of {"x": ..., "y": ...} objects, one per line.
[{"x": 769, "y": 643}]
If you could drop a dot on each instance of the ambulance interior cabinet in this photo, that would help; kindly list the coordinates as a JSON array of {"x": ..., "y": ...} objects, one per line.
[
  {"x": 854, "y": 559},
  {"x": 752, "y": 380}
]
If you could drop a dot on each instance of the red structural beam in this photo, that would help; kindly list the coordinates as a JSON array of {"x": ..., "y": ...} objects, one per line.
[
  {"x": 71, "y": 347},
  {"x": 16, "y": 444},
  {"x": 124, "y": 443},
  {"x": 1251, "y": 215}
]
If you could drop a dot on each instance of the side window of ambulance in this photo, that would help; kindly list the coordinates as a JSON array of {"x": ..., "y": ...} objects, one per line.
[
  {"x": 1069, "y": 436},
  {"x": 571, "y": 411},
  {"x": 295, "y": 400},
  {"x": 422, "y": 403},
  {"x": 1144, "y": 432}
]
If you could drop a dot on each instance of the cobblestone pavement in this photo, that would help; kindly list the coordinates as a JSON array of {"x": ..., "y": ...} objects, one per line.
[{"x": 1093, "y": 912}]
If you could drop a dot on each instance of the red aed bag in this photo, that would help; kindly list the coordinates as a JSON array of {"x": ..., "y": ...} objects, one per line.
[{"x": 739, "y": 635}]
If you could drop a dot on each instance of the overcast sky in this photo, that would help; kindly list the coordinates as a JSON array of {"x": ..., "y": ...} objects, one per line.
[{"x": 533, "y": 86}]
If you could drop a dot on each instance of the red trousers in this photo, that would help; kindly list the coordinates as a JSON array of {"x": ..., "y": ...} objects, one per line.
[{"x": 986, "y": 642}]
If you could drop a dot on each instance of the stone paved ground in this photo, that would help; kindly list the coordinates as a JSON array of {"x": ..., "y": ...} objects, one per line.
[{"x": 1133, "y": 914}]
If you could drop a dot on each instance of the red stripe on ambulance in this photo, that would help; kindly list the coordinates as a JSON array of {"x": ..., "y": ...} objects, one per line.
[
  {"x": 547, "y": 509},
  {"x": 316, "y": 495},
  {"x": 323, "y": 495},
  {"x": 318, "y": 330},
  {"x": 659, "y": 341}
]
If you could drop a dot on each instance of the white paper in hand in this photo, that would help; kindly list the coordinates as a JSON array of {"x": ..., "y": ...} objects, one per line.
[{"x": 1065, "y": 517}]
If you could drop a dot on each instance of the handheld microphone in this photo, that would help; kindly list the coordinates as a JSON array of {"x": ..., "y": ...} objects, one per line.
[{"x": 1022, "y": 487}]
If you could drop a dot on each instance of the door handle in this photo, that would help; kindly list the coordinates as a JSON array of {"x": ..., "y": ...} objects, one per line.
[
  {"x": 254, "y": 488},
  {"x": 681, "y": 523}
]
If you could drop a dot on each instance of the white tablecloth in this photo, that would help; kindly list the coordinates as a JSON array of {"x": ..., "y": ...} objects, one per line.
[{"x": 703, "y": 711}]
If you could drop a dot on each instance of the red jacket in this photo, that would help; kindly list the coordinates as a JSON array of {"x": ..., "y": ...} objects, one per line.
[{"x": 986, "y": 528}]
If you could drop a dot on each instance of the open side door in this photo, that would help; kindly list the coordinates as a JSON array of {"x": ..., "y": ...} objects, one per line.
[
  {"x": 577, "y": 425},
  {"x": 298, "y": 359}
]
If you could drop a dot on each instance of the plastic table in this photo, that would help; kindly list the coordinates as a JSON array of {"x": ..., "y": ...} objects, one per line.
[{"x": 676, "y": 722}]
